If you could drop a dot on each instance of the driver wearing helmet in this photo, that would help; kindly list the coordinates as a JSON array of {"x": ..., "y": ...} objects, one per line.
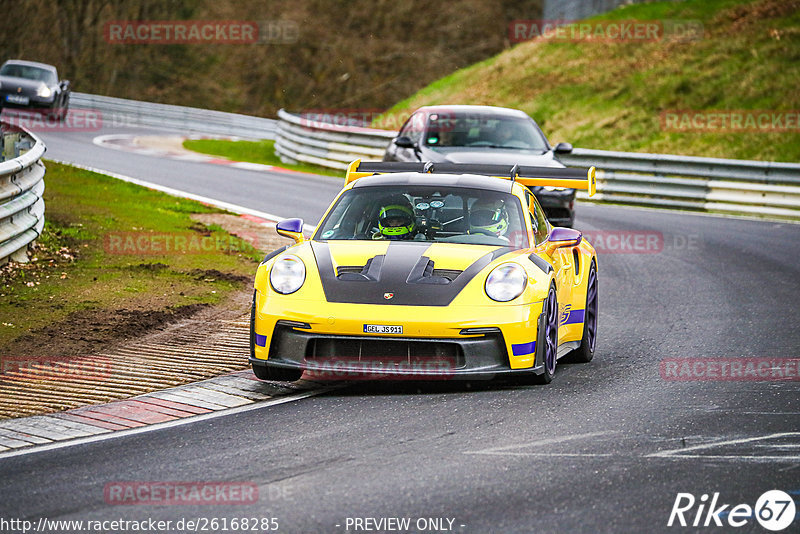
[
  {"x": 396, "y": 219},
  {"x": 488, "y": 217}
]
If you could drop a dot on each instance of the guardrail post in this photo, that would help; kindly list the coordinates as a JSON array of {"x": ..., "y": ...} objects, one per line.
[
  {"x": 10, "y": 141},
  {"x": 21, "y": 145}
]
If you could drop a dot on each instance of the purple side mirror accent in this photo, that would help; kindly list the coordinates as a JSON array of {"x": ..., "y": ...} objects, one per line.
[
  {"x": 566, "y": 234},
  {"x": 290, "y": 225}
]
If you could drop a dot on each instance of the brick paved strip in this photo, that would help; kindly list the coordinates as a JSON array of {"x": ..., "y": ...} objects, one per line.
[
  {"x": 89, "y": 421},
  {"x": 42, "y": 423},
  {"x": 221, "y": 393},
  {"x": 217, "y": 397},
  {"x": 135, "y": 413},
  {"x": 139, "y": 405},
  {"x": 233, "y": 390},
  {"x": 8, "y": 443},
  {"x": 22, "y": 436},
  {"x": 42, "y": 429},
  {"x": 176, "y": 396},
  {"x": 100, "y": 416},
  {"x": 194, "y": 410}
]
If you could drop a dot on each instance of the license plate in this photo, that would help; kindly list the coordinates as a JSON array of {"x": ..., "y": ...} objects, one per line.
[
  {"x": 17, "y": 99},
  {"x": 382, "y": 329}
]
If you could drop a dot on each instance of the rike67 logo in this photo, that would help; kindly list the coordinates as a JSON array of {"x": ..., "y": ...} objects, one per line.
[{"x": 774, "y": 510}]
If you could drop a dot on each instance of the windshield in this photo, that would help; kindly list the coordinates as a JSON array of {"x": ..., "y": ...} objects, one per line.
[
  {"x": 29, "y": 73},
  {"x": 491, "y": 131},
  {"x": 427, "y": 213}
]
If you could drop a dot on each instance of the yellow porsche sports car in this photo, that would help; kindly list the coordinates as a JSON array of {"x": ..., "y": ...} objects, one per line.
[{"x": 429, "y": 271}]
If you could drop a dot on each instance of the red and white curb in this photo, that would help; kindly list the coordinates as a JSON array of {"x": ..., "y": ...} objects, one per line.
[{"x": 219, "y": 396}]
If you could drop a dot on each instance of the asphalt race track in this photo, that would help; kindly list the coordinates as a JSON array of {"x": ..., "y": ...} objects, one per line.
[{"x": 606, "y": 447}]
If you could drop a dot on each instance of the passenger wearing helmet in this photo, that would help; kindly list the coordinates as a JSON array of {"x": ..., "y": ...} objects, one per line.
[
  {"x": 396, "y": 219},
  {"x": 488, "y": 217}
]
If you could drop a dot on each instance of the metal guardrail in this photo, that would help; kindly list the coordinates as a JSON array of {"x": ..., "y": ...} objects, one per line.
[
  {"x": 21, "y": 190},
  {"x": 759, "y": 188},
  {"x": 328, "y": 145},
  {"x": 121, "y": 112}
]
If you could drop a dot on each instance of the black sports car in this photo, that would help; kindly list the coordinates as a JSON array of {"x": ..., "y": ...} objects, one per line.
[
  {"x": 484, "y": 134},
  {"x": 35, "y": 87}
]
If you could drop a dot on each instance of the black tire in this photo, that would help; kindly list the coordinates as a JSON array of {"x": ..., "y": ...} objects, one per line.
[
  {"x": 585, "y": 352},
  {"x": 547, "y": 345},
  {"x": 277, "y": 374}
]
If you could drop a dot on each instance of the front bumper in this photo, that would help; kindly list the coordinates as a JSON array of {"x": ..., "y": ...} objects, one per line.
[
  {"x": 35, "y": 103},
  {"x": 504, "y": 342}
]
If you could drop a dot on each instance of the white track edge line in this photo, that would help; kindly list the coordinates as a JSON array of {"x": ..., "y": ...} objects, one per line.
[
  {"x": 235, "y": 208},
  {"x": 161, "y": 426}
]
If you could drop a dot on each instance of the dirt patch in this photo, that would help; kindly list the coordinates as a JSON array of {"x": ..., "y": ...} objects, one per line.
[
  {"x": 213, "y": 275},
  {"x": 87, "y": 331},
  {"x": 747, "y": 14},
  {"x": 259, "y": 234}
]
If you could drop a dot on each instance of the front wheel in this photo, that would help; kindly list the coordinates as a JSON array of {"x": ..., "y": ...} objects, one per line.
[{"x": 585, "y": 352}]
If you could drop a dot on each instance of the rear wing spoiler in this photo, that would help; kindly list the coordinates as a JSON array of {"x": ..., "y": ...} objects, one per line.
[{"x": 582, "y": 178}]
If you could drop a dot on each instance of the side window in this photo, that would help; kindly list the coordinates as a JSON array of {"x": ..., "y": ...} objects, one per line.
[
  {"x": 413, "y": 127},
  {"x": 538, "y": 220},
  {"x": 541, "y": 233}
]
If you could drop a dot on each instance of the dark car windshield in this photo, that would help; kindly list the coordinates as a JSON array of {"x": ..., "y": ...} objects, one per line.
[
  {"x": 449, "y": 129},
  {"x": 427, "y": 214},
  {"x": 28, "y": 72}
]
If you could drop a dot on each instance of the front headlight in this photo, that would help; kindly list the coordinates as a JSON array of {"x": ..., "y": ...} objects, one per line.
[
  {"x": 44, "y": 91},
  {"x": 287, "y": 275},
  {"x": 506, "y": 282}
]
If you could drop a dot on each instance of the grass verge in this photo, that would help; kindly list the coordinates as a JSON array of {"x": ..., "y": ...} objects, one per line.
[
  {"x": 611, "y": 95},
  {"x": 114, "y": 254},
  {"x": 254, "y": 152}
]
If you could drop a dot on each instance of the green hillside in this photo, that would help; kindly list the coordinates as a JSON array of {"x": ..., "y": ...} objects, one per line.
[{"x": 611, "y": 95}]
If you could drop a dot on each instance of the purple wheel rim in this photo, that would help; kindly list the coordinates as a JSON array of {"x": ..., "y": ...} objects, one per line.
[{"x": 551, "y": 333}]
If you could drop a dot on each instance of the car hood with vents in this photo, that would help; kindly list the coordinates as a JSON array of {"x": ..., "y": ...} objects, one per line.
[{"x": 408, "y": 273}]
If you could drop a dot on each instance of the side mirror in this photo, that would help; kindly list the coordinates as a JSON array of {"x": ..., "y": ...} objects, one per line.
[
  {"x": 64, "y": 84},
  {"x": 563, "y": 148},
  {"x": 291, "y": 228},
  {"x": 562, "y": 237},
  {"x": 404, "y": 142}
]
